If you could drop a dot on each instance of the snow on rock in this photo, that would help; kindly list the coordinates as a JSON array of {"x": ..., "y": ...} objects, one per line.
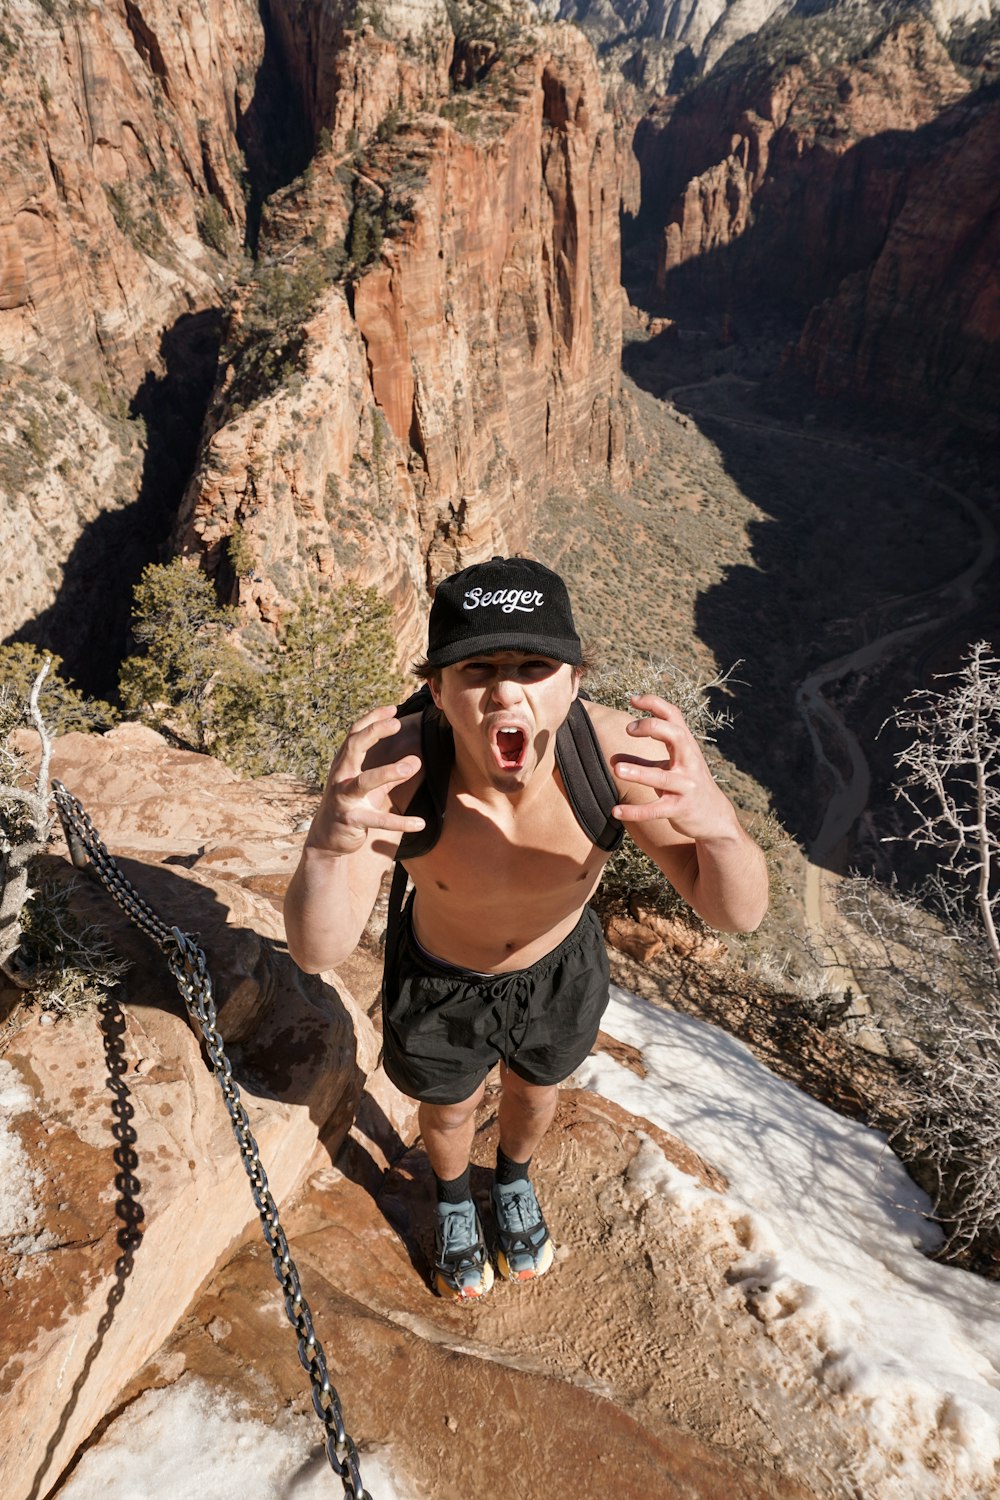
[
  {"x": 830, "y": 1239},
  {"x": 188, "y": 1442},
  {"x": 18, "y": 1210}
]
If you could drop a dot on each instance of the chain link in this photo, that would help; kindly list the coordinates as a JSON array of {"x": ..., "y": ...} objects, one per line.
[{"x": 186, "y": 963}]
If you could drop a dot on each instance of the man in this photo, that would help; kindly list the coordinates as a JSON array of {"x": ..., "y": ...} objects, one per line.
[{"x": 498, "y": 957}]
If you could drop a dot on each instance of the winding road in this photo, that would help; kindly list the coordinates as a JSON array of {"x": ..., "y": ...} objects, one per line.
[{"x": 944, "y": 603}]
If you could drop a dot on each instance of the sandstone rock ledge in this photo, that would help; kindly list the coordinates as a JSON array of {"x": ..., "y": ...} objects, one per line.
[
  {"x": 117, "y": 1126},
  {"x": 126, "y": 1128}
]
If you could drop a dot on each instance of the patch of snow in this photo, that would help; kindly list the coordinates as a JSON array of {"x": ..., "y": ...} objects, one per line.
[
  {"x": 18, "y": 1210},
  {"x": 188, "y": 1442},
  {"x": 829, "y": 1236}
]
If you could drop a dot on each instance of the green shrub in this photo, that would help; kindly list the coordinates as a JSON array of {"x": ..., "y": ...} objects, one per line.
[
  {"x": 365, "y": 234},
  {"x": 267, "y": 343},
  {"x": 280, "y": 706},
  {"x": 63, "y": 707},
  {"x": 184, "y": 632},
  {"x": 214, "y": 227},
  {"x": 332, "y": 661},
  {"x": 240, "y": 551}
]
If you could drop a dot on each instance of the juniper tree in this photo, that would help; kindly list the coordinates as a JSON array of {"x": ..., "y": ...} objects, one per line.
[
  {"x": 186, "y": 652},
  {"x": 332, "y": 659}
]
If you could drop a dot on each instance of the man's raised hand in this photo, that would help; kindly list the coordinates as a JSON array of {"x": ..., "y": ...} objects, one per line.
[
  {"x": 686, "y": 791},
  {"x": 357, "y": 794}
]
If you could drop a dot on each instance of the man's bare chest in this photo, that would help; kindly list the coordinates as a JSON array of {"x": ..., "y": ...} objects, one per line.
[{"x": 538, "y": 855}]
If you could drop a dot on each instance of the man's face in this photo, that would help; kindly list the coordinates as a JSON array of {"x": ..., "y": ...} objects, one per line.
[{"x": 505, "y": 709}]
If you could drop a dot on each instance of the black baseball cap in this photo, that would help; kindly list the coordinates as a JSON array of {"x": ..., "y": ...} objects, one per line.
[{"x": 506, "y": 604}]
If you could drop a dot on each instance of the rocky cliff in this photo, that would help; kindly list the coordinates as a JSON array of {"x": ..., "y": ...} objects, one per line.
[
  {"x": 457, "y": 244},
  {"x": 819, "y": 154},
  {"x": 429, "y": 333},
  {"x": 917, "y": 330},
  {"x": 122, "y": 135},
  {"x": 661, "y": 46},
  {"x": 125, "y": 1187}
]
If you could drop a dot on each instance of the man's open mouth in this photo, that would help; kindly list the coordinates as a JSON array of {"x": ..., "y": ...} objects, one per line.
[{"x": 510, "y": 745}]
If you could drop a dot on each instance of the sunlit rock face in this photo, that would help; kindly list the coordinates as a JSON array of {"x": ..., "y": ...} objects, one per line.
[
  {"x": 660, "y": 45},
  {"x": 471, "y": 363},
  {"x": 438, "y": 383},
  {"x": 131, "y": 1186},
  {"x": 119, "y": 127},
  {"x": 120, "y": 184}
]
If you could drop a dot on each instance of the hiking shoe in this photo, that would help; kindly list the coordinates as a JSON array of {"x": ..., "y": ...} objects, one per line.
[
  {"x": 524, "y": 1249},
  {"x": 462, "y": 1269}
]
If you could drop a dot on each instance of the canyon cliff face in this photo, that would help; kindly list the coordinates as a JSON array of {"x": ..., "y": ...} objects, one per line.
[
  {"x": 423, "y": 392},
  {"x": 120, "y": 192},
  {"x": 442, "y": 383},
  {"x": 918, "y": 330},
  {"x": 791, "y": 157},
  {"x": 120, "y": 133},
  {"x": 787, "y": 172},
  {"x": 661, "y": 45}
]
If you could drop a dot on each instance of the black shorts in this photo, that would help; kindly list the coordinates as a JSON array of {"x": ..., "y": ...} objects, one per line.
[{"x": 444, "y": 1028}]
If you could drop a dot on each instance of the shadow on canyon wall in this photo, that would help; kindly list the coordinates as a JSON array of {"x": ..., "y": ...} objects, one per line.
[
  {"x": 844, "y": 537},
  {"x": 816, "y": 218},
  {"x": 274, "y": 134},
  {"x": 87, "y": 623}
]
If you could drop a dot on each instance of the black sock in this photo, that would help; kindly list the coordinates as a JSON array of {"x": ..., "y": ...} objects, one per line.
[
  {"x": 510, "y": 1171},
  {"x": 458, "y": 1190}
]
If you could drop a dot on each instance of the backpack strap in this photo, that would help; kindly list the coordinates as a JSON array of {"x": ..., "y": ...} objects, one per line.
[
  {"x": 437, "y": 752},
  {"x": 397, "y": 895},
  {"x": 587, "y": 777}
]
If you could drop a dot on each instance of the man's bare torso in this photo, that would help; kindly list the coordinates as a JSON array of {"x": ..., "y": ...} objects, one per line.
[{"x": 507, "y": 879}]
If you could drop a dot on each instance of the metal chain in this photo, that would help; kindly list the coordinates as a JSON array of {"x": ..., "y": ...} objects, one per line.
[{"x": 187, "y": 963}]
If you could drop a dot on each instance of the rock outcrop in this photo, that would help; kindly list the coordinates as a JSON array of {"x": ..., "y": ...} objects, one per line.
[
  {"x": 121, "y": 192},
  {"x": 130, "y": 1256},
  {"x": 128, "y": 1186},
  {"x": 443, "y": 380},
  {"x": 782, "y": 175},
  {"x": 432, "y": 337},
  {"x": 918, "y": 330},
  {"x": 814, "y": 170},
  {"x": 120, "y": 127},
  {"x": 660, "y": 46}
]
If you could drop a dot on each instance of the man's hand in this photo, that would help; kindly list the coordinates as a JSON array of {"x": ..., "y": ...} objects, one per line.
[
  {"x": 357, "y": 798},
  {"x": 688, "y": 794}
]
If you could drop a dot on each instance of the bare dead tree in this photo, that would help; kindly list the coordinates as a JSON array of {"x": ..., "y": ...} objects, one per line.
[
  {"x": 26, "y": 819},
  {"x": 951, "y": 779},
  {"x": 929, "y": 961},
  {"x": 928, "y": 972}
]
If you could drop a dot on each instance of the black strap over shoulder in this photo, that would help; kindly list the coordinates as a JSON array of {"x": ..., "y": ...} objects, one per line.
[
  {"x": 587, "y": 777},
  {"x": 437, "y": 752}
]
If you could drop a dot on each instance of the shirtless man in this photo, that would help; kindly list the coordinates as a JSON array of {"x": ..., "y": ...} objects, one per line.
[{"x": 498, "y": 956}]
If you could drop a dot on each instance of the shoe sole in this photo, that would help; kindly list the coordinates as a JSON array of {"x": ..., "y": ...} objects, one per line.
[
  {"x": 465, "y": 1294},
  {"x": 545, "y": 1258}
]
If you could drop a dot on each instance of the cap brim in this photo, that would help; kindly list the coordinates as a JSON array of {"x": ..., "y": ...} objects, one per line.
[{"x": 570, "y": 652}]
